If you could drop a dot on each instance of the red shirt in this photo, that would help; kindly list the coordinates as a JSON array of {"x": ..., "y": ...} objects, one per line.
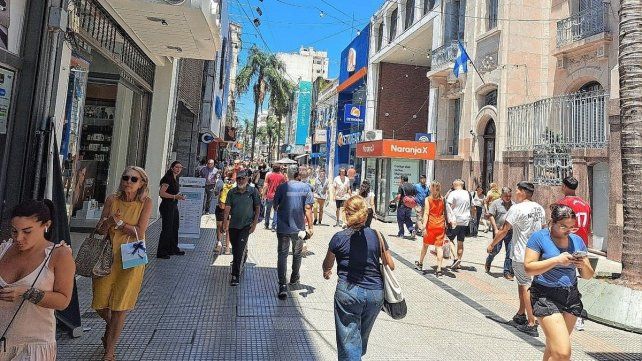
[
  {"x": 582, "y": 212},
  {"x": 272, "y": 181}
]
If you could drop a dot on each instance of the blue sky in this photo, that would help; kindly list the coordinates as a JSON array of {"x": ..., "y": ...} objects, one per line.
[{"x": 286, "y": 25}]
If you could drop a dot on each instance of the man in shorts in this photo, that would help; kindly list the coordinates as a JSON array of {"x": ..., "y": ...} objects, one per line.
[
  {"x": 524, "y": 218},
  {"x": 460, "y": 211}
]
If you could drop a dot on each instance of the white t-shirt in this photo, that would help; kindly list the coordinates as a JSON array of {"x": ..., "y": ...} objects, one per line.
[
  {"x": 459, "y": 206},
  {"x": 526, "y": 218},
  {"x": 370, "y": 199},
  {"x": 341, "y": 189}
]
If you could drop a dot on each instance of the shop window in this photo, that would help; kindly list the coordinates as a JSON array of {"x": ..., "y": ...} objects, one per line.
[{"x": 492, "y": 9}]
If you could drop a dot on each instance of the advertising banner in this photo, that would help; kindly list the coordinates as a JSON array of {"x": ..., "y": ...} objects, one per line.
[
  {"x": 320, "y": 136},
  {"x": 400, "y": 167},
  {"x": 354, "y": 113},
  {"x": 191, "y": 209},
  {"x": 423, "y": 137},
  {"x": 402, "y": 149},
  {"x": 6, "y": 85},
  {"x": 303, "y": 112}
]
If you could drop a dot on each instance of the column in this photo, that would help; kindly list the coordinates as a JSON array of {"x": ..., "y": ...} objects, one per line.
[
  {"x": 163, "y": 100},
  {"x": 433, "y": 103},
  {"x": 120, "y": 137}
]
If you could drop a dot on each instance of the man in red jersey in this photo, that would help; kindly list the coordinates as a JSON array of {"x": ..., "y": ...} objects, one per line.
[
  {"x": 583, "y": 219},
  {"x": 272, "y": 181}
]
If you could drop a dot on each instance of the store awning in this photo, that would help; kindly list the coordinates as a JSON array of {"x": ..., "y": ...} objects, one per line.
[
  {"x": 393, "y": 148},
  {"x": 178, "y": 29}
]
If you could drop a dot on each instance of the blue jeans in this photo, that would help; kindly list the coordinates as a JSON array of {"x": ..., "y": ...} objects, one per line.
[
  {"x": 355, "y": 311},
  {"x": 508, "y": 263},
  {"x": 403, "y": 217},
  {"x": 269, "y": 205}
]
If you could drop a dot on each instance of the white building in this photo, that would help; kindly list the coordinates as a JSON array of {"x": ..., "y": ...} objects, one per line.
[{"x": 306, "y": 65}]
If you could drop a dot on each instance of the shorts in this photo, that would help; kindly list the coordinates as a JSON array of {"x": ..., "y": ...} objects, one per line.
[
  {"x": 520, "y": 274},
  {"x": 550, "y": 300},
  {"x": 219, "y": 213},
  {"x": 458, "y": 232},
  {"x": 339, "y": 203}
]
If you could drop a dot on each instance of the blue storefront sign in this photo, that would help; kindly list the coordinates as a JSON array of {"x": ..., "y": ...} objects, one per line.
[
  {"x": 354, "y": 113},
  {"x": 423, "y": 137},
  {"x": 303, "y": 112}
]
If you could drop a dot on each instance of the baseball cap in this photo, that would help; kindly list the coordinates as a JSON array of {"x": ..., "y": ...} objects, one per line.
[{"x": 242, "y": 174}]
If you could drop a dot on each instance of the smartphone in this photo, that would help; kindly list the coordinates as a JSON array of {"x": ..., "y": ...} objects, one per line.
[{"x": 580, "y": 254}]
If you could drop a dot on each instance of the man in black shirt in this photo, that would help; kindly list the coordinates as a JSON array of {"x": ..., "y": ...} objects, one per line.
[
  {"x": 406, "y": 190},
  {"x": 240, "y": 219}
]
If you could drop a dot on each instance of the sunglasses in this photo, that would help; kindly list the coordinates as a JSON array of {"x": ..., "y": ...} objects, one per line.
[{"x": 127, "y": 178}]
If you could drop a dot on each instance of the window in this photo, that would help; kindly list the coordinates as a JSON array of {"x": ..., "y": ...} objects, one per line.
[
  {"x": 455, "y": 21},
  {"x": 222, "y": 64},
  {"x": 492, "y": 13},
  {"x": 393, "y": 25},
  {"x": 491, "y": 98},
  {"x": 410, "y": 13},
  {"x": 379, "y": 36},
  {"x": 428, "y": 5},
  {"x": 452, "y": 142}
]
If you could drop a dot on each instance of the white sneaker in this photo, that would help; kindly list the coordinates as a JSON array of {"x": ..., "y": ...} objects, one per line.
[{"x": 579, "y": 324}]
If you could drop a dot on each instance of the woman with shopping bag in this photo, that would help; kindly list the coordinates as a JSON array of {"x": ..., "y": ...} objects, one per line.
[
  {"x": 125, "y": 219},
  {"x": 359, "y": 296},
  {"x": 435, "y": 218}
]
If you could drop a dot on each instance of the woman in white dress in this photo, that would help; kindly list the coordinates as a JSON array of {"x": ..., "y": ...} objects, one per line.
[{"x": 341, "y": 186}]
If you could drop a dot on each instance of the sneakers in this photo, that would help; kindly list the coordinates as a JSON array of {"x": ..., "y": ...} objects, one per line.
[
  {"x": 218, "y": 248},
  {"x": 439, "y": 274},
  {"x": 419, "y": 266},
  {"x": 234, "y": 281},
  {"x": 315, "y": 222},
  {"x": 413, "y": 234},
  {"x": 579, "y": 324},
  {"x": 529, "y": 330},
  {"x": 456, "y": 264},
  {"x": 283, "y": 292},
  {"x": 520, "y": 319}
]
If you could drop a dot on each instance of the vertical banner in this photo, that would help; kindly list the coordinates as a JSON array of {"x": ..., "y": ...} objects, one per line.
[
  {"x": 191, "y": 209},
  {"x": 303, "y": 112}
]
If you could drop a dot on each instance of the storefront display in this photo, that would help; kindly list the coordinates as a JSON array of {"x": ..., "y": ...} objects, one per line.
[{"x": 6, "y": 87}]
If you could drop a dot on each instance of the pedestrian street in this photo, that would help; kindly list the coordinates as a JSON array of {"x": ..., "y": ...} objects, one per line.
[{"x": 188, "y": 311}]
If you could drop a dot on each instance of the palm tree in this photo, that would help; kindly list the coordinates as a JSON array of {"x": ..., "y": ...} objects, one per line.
[
  {"x": 266, "y": 71},
  {"x": 280, "y": 103},
  {"x": 630, "y": 69}
]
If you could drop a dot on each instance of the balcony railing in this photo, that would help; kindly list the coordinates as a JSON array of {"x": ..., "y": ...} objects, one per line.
[
  {"x": 571, "y": 121},
  {"x": 444, "y": 55},
  {"x": 580, "y": 26}
]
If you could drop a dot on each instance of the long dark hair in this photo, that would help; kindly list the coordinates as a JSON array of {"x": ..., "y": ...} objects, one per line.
[
  {"x": 169, "y": 175},
  {"x": 42, "y": 211},
  {"x": 364, "y": 189}
]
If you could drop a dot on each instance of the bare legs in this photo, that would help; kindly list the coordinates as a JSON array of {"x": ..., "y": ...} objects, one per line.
[
  {"x": 460, "y": 250},
  {"x": 557, "y": 328},
  {"x": 115, "y": 320},
  {"x": 440, "y": 255},
  {"x": 525, "y": 303},
  {"x": 321, "y": 204}
]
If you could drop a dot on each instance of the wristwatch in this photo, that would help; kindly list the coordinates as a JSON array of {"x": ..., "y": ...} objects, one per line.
[{"x": 119, "y": 223}]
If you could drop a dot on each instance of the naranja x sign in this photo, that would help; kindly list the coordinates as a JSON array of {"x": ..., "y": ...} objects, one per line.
[{"x": 391, "y": 148}]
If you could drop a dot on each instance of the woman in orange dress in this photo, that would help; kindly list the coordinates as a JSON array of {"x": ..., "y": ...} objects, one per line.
[{"x": 435, "y": 218}]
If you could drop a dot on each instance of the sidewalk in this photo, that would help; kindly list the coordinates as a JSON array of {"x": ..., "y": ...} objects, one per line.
[{"x": 187, "y": 311}]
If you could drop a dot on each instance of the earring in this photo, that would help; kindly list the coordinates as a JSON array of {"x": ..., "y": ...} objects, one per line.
[{"x": 46, "y": 229}]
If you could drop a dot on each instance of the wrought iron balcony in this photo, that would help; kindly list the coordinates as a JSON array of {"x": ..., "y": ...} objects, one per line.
[
  {"x": 573, "y": 121},
  {"x": 582, "y": 25},
  {"x": 444, "y": 55}
]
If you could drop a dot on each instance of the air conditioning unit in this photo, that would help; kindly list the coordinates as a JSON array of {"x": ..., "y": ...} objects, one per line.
[{"x": 370, "y": 135}]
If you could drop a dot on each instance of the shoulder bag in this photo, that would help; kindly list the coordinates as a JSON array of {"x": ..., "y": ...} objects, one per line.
[
  {"x": 394, "y": 304},
  {"x": 95, "y": 256}
]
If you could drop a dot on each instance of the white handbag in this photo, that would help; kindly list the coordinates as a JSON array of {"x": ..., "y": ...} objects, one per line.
[{"x": 394, "y": 303}]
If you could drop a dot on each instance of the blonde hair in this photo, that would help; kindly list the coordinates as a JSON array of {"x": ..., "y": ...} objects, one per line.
[
  {"x": 356, "y": 211},
  {"x": 494, "y": 186},
  {"x": 143, "y": 191},
  {"x": 437, "y": 193}
]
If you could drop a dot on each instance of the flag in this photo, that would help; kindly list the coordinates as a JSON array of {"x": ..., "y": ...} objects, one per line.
[{"x": 461, "y": 61}]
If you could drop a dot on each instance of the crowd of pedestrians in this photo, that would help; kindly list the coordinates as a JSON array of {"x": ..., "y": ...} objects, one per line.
[{"x": 542, "y": 255}]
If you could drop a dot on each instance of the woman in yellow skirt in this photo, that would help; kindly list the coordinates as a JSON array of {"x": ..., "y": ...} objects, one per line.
[{"x": 125, "y": 214}]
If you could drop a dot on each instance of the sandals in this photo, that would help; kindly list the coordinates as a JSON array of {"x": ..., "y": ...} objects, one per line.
[{"x": 419, "y": 266}]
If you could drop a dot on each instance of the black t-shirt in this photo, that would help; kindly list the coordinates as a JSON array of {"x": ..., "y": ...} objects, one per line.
[
  {"x": 405, "y": 189},
  {"x": 172, "y": 186}
]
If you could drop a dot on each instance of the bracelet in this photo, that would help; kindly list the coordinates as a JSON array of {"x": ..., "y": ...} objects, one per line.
[{"x": 33, "y": 295}]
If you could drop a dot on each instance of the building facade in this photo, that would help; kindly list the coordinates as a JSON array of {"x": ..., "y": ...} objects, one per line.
[
  {"x": 324, "y": 119},
  {"x": 543, "y": 105}
]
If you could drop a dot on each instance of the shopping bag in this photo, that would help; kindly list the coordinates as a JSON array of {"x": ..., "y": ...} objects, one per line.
[
  {"x": 446, "y": 248},
  {"x": 134, "y": 254},
  {"x": 394, "y": 303}
]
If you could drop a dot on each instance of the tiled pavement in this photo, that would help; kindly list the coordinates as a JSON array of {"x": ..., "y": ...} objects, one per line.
[{"x": 187, "y": 311}]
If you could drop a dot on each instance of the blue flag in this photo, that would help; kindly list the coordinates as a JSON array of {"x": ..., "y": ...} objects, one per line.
[{"x": 461, "y": 61}]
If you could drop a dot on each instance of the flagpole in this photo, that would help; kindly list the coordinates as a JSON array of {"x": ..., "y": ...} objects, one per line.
[{"x": 474, "y": 67}]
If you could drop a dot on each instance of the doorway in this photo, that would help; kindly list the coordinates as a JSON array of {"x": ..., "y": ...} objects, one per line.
[
  {"x": 488, "y": 164},
  {"x": 600, "y": 205}
]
